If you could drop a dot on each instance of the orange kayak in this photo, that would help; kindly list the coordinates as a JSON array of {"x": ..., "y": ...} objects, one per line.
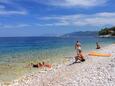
[{"x": 99, "y": 54}]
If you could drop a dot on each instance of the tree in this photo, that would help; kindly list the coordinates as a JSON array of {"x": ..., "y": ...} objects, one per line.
[
  {"x": 107, "y": 31},
  {"x": 104, "y": 31}
]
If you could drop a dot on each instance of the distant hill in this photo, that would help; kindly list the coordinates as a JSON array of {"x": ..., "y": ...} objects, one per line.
[
  {"x": 81, "y": 33},
  {"x": 107, "y": 32}
]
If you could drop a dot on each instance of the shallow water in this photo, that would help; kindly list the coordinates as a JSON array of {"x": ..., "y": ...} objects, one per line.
[{"x": 17, "y": 52}]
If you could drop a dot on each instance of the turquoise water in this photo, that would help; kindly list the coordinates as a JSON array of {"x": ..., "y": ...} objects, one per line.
[{"x": 17, "y": 52}]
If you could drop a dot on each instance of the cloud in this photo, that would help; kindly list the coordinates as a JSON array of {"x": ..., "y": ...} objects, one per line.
[
  {"x": 6, "y": 1},
  {"x": 73, "y": 3},
  {"x": 10, "y": 7},
  {"x": 106, "y": 14},
  {"x": 2, "y": 6},
  {"x": 9, "y": 26},
  {"x": 61, "y": 23},
  {"x": 97, "y": 19},
  {"x": 5, "y": 12}
]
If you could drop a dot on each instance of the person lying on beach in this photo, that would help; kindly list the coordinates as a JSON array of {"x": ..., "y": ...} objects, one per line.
[
  {"x": 37, "y": 65},
  {"x": 79, "y": 57},
  {"x": 97, "y": 46},
  {"x": 40, "y": 65}
]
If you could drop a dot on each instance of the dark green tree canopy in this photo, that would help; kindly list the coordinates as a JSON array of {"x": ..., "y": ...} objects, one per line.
[{"x": 107, "y": 31}]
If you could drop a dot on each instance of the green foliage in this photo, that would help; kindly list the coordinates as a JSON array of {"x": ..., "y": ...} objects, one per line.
[
  {"x": 107, "y": 31},
  {"x": 112, "y": 28},
  {"x": 104, "y": 31},
  {"x": 113, "y": 34}
]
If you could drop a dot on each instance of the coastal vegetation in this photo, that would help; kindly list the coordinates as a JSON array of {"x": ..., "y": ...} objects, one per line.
[{"x": 107, "y": 32}]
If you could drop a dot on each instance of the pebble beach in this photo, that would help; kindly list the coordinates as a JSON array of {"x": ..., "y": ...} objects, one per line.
[{"x": 95, "y": 71}]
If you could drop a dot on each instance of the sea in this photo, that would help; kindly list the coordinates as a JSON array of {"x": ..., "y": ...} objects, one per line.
[{"x": 16, "y": 53}]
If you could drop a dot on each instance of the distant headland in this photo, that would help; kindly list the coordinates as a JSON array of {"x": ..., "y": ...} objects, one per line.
[
  {"x": 107, "y": 32},
  {"x": 81, "y": 33}
]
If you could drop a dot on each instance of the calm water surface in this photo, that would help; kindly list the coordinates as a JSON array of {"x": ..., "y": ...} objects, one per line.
[{"x": 17, "y": 52}]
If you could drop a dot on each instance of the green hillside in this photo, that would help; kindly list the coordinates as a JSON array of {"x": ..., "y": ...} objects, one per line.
[{"x": 107, "y": 31}]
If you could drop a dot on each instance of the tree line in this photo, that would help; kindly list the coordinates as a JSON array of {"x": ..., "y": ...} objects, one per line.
[{"x": 107, "y": 31}]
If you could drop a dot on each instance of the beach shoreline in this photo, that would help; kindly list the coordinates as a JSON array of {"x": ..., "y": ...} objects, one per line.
[{"x": 79, "y": 74}]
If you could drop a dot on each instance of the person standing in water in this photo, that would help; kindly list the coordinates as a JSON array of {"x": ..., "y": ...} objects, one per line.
[
  {"x": 78, "y": 47},
  {"x": 79, "y": 52},
  {"x": 97, "y": 46}
]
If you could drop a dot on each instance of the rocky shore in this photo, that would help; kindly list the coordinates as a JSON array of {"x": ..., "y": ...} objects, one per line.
[{"x": 95, "y": 71}]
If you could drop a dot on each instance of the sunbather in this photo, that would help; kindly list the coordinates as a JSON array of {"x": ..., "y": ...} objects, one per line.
[
  {"x": 79, "y": 57},
  {"x": 39, "y": 65}
]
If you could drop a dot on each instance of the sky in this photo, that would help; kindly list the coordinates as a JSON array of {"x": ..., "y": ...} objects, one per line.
[{"x": 54, "y": 17}]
